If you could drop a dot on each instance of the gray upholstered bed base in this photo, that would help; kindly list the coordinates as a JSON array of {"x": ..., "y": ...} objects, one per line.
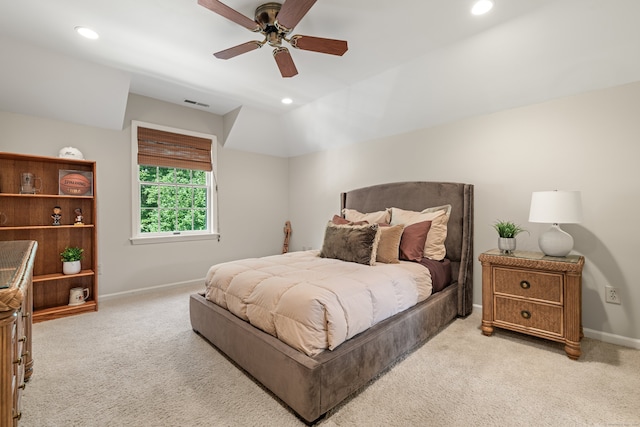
[{"x": 311, "y": 386}]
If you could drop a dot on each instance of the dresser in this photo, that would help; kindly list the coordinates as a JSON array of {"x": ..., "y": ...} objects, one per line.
[
  {"x": 534, "y": 294},
  {"x": 16, "y": 301}
]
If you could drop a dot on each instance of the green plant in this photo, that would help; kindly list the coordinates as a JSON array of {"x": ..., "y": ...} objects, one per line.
[
  {"x": 71, "y": 254},
  {"x": 508, "y": 229}
]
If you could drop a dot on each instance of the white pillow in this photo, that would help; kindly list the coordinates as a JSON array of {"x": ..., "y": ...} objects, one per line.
[{"x": 379, "y": 217}]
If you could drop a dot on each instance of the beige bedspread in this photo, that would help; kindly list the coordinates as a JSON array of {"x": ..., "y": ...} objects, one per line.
[{"x": 314, "y": 303}]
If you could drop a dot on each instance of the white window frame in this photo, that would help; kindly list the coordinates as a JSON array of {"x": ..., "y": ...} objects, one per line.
[{"x": 212, "y": 231}]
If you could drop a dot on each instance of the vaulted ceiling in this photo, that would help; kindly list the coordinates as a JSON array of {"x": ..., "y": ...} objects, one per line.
[{"x": 411, "y": 64}]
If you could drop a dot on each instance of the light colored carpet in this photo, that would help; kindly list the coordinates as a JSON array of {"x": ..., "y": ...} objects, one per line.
[{"x": 137, "y": 362}]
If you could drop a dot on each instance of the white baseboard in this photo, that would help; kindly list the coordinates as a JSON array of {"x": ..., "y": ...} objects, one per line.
[
  {"x": 612, "y": 338},
  {"x": 599, "y": 335},
  {"x": 154, "y": 288}
]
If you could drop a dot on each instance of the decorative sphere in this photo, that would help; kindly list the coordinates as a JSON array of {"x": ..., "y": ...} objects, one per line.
[
  {"x": 70, "y": 153},
  {"x": 75, "y": 184}
]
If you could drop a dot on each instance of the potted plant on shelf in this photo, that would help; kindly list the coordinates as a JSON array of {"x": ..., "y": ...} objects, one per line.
[
  {"x": 71, "y": 257},
  {"x": 507, "y": 232}
]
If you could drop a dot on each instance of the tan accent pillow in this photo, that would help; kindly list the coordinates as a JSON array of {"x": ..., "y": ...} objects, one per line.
[
  {"x": 389, "y": 245},
  {"x": 439, "y": 216},
  {"x": 413, "y": 239},
  {"x": 379, "y": 217},
  {"x": 353, "y": 243}
]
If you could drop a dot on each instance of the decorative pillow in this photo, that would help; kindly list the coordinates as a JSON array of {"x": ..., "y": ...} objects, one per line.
[
  {"x": 439, "y": 216},
  {"x": 413, "y": 240},
  {"x": 380, "y": 217},
  {"x": 337, "y": 219},
  {"x": 389, "y": 245},
  {"x": 353, "y": 243}
]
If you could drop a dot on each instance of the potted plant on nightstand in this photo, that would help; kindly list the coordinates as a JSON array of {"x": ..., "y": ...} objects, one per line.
[
  {"x": 507, "y": 232},
  {"x": 71, "y": 257}
]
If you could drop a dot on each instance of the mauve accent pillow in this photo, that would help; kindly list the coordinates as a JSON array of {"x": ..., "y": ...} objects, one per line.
[
  {"x": 379, "y": 217},
  {"x": 412, "y": 241},
  {"x": 389, "y": 245},
  {"x": 352, "y": 243},
  {"x": 339, "y": 220}
]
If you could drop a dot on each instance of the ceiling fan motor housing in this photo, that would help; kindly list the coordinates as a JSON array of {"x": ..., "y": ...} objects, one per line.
[{"x": 266, "y": 17}]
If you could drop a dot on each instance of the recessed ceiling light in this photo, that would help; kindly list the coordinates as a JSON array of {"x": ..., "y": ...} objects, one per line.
[
  {"x": 87, "y": 32},
  {"x": 287, "y": 100},
  {"x": 481, "y": 7}
]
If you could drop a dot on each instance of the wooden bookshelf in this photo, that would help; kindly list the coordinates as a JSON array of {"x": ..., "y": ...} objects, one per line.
[{"x": 28, "y": 217}]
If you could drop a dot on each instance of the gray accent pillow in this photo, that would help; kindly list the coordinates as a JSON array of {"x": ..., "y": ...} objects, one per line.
[{"x": 352, "y": 243}]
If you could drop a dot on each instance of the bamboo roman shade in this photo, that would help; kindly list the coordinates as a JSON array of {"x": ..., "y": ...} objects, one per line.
[{"x": 174, "y": 150}]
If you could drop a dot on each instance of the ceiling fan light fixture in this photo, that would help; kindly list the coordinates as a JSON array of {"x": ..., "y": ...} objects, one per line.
[
  {"x": 87, "y": 33},
  {"x": 481, "y": 7}
]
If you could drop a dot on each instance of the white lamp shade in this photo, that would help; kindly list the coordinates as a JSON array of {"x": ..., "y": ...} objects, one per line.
[{"x": 556, "y": 207}]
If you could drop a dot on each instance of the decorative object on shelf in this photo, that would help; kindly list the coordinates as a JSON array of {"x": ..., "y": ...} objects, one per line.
[
  {"x": 29, "y": 183},
  {"x": 71, "y": 257},
  {"x": 70, "y": 153},
  {"x": 56, "y": 215},
  {"x": 556, "y": 207},
  {"x": 78, "y": 296},
  {"x": 75, "y": 183},
  {"x": 79, "y": 217},
  {"x": 507, "y": 232}
]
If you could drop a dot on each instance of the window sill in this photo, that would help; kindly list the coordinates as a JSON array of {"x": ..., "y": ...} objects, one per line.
[{"x": 172, "y": 239}]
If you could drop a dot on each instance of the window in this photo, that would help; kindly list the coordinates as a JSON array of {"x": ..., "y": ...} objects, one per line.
[{"x": 174, "y": 185}]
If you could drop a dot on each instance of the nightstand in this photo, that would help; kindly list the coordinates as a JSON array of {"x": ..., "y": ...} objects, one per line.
[{"x": 534, "y": 294}]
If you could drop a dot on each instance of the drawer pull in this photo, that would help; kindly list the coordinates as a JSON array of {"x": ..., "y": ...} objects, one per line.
[
  {"x": 526, "y": 314},
  {"x": 17, "y": 416},
  {"x": 26, "y": 315},
  {"x": 18, "y": 361},
  {"x": 23, "y": 339},
  {"x": 525, "y": 285},
  {"x": 22, "y": 386}
]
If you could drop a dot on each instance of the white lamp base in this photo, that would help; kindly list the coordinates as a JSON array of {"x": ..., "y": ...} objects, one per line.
[{"x": 555, "y": 242}]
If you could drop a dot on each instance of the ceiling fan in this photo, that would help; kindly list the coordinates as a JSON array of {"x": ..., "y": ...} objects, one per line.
[{"x": 275, "y": 21}]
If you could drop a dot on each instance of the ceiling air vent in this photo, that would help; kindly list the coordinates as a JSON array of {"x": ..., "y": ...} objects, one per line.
[{"x": 199, "y": 104}]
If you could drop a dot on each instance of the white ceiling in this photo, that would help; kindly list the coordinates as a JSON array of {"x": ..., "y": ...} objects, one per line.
[{"x": 411, "y": 63}]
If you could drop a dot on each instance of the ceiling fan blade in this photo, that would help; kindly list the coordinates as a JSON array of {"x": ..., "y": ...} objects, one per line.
[
  {"x": 319, "y": 44},
  {"x": 285, "y": 62},
  {"x": 238, "y": 50},
  {"x": 229, "y": 13},
  {"x": 292, "y": 12}
]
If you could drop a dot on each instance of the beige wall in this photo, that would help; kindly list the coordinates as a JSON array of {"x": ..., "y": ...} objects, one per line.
[
  {"x": 253, "y": 195},
  {"x": 587, "y": 142}
]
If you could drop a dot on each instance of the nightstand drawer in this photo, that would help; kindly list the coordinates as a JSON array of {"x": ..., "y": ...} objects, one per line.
[
  {"x": 529, "y": 314},
  {"x": 528, "y": 284}
]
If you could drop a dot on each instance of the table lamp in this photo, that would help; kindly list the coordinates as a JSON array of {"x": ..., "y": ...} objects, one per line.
[{"x": 556, "y": 207}]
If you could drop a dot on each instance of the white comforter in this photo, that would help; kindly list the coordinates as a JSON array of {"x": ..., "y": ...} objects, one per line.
[{"x": 314, "y": 303}]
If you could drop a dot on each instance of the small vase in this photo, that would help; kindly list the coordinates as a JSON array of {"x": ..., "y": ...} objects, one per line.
[
  {"x": 71, "y": 267},
  {"x": 507, "y": 244}
]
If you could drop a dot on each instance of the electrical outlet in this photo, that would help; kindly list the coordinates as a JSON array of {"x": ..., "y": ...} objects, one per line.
[{"x": 611, "y": 295}]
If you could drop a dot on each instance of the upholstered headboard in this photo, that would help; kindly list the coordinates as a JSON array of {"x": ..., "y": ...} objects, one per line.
[{"x": 417, "y": 196}]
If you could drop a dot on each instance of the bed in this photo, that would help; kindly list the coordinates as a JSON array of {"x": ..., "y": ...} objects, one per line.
[{"x": 313, "y": 385}]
